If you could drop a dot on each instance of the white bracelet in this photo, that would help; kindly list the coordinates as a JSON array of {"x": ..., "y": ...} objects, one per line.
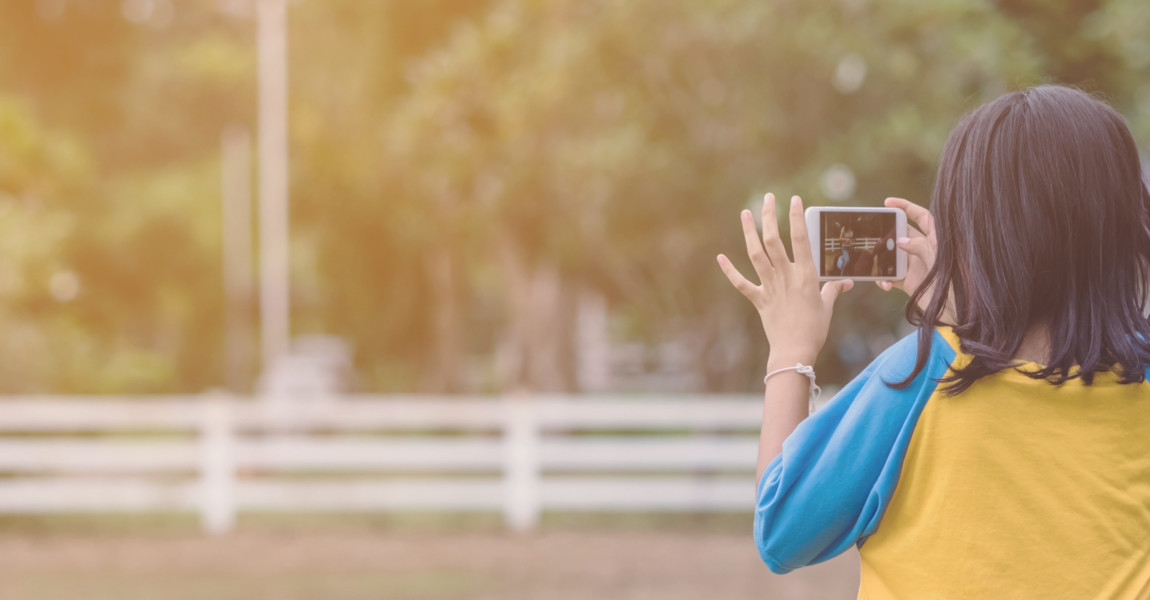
[{"x": 809, "y": 371}]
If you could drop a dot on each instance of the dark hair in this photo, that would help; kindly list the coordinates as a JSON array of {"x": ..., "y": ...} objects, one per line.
[{"x": 1042, "y": 219}]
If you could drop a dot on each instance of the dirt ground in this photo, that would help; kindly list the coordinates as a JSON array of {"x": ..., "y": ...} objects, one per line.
[{"x": 269, "y": 565}]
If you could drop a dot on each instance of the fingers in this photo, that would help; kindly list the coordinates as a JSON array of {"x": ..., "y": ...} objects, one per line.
[
  {"x": 833, "y": 289},
  {"x": 775, "y": 250},
  {"x": 800, "y": 242},
  {"x": 919, "y": 215},
  {"x": 746, "y": 287},
  {"x": 754, "y": 246}
]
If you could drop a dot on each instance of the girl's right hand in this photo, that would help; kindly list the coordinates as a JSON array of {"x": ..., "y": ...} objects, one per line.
[{"x": 920, "y": 248}]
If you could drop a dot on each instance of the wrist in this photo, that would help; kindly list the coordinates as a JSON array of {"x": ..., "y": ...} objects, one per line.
[{"x": 789, "y": 358}]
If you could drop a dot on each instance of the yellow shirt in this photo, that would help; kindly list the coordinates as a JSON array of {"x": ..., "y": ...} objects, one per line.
[{"x": 1015, "y": 488}]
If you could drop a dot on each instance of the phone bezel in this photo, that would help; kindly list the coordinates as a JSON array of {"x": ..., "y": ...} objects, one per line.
[{"x": 814, "y": 233}]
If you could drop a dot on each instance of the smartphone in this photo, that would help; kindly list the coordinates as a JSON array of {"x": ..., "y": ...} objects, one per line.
[{"x": 857, "y": 242}]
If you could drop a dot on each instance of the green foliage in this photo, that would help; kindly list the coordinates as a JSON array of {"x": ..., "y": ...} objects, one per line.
[
  {"x": 614, "y": 140},
  {"x": 625, "y": 152}
]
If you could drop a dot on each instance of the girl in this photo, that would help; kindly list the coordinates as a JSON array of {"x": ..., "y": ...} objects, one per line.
[{"x": 1002, "y": 450}]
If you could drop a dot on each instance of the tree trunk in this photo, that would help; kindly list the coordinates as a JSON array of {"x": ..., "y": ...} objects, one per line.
[
  {"x": 539, "y": 350},
  {"x": 443, "y": 372},
  {"x": 592, "y": 342}
]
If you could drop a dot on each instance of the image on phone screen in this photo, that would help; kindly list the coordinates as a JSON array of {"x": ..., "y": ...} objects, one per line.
[{"x": 858, "y": 244}]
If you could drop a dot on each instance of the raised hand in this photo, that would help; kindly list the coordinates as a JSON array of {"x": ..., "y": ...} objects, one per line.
[
  {"x": 796, "y": 315},
  {"x": 921, "y": 245}
]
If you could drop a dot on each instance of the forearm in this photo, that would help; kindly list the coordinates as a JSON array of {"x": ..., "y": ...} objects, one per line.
[
  {"x": 796, "y": 315},
  {"x": 785, "y": 405}
]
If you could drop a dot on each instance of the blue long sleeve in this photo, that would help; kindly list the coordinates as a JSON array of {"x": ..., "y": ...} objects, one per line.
[{"x": 837, "y": 471}]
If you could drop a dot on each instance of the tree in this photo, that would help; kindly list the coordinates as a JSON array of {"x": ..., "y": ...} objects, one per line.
[
  {"x": 463, "y": 171},
  {"x": 559, "y": 138}
]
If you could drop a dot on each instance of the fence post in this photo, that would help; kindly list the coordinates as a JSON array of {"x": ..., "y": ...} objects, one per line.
[
  {"x": 521, "y": 506},
  {"x": 217, "y": 467}
]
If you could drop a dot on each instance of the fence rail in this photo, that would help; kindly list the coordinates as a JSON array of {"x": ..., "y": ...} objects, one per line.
[
  {"x": 864, "y": 243},
  {"x": 221, "y": 455}
]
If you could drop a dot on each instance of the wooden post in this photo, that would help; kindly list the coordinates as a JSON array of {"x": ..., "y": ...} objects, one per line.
[
  {"x": 236, "y": 194},
  {"x": 217, "y": 467},
  {"x": 521, "y": 459},
  {"x": 271, "y": 53}
]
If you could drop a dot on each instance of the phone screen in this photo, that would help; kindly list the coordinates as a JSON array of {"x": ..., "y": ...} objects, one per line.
[{"x": 857, "y": 244}]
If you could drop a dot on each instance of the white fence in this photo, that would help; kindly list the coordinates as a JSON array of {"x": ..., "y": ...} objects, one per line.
[
  {"x": 217, "y": 456},
  {"x": 834, "y": 244}
]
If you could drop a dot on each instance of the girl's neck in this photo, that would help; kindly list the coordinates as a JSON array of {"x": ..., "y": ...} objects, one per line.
[{"x": 1035, "y": 346}]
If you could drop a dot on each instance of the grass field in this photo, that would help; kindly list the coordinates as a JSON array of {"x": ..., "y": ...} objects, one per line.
[{"x": 348, "y": 559}]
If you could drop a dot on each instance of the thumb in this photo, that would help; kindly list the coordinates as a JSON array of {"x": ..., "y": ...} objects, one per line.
[
  {"x": 832, "y": 289},
  {"x": 888, "y": 285},
  {"x": 917, "y": 246}
]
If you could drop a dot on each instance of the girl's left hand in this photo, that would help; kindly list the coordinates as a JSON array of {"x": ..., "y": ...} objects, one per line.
[{"x": 796, "y": 315}]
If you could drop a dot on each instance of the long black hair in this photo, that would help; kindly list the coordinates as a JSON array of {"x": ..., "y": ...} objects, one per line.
[{"x": 1043, "y": 220}]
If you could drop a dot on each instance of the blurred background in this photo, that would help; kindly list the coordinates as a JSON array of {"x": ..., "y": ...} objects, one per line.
[{"x": 315, "y": 204}]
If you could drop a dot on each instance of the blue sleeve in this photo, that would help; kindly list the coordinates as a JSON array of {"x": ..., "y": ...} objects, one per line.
[{"x": 837, "y": 471}]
